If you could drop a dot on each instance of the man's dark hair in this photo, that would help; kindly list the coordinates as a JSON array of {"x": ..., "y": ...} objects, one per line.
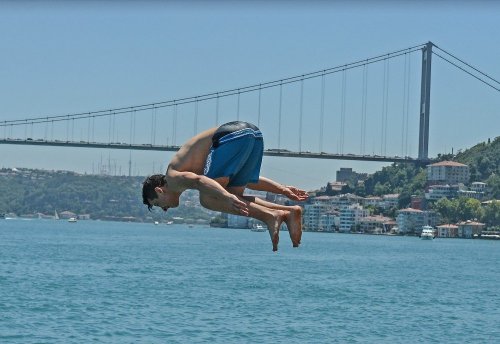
[{"x": 148, "y": 188}]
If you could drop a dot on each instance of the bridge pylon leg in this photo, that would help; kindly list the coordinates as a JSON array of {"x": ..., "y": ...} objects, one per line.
[{"x": 425, "y": 98}]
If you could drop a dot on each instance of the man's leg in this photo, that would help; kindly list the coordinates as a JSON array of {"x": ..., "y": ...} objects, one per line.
[
  {"x": 273, "y": 218},
  {"x": 292, "y": 214},
  {"x": 293, "y": 218}
]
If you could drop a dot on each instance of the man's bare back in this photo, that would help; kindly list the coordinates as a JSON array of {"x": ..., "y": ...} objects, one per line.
[{"x": 192, "y": 155}]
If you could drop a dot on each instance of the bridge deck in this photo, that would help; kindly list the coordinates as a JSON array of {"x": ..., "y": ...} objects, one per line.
[{"x": 150, "y": 147}]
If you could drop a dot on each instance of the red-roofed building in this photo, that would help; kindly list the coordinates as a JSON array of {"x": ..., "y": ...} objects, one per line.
[
  {"x": 447, "y": 231},
  {"x": 411, "y": 220},
  {"x": 469, "y": 229},
  {"x": 447, "y": 172}
]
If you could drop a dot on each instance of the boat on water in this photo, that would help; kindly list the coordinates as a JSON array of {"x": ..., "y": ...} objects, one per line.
[
  {"x": 258, "y": 228},
  {"x": 72, "y": 219},
  {"x": 427, "y": 233}
]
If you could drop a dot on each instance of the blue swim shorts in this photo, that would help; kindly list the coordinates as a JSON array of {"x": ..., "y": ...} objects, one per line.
[{"x": 236, "y": 152}]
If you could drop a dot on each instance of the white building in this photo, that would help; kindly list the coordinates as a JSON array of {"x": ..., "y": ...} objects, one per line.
[
  {"x": 312, "y": 215},
  {"x": 478, "y": 187},
  {"x": 447, "y": 231},
  {"x": 373, "y": 201},
  {"x": 469, "y": 229},
  {"x": 385, "y": 202},
  {"x": 374, "y": 224},
  {"x": 436, "y": 192},
  {"x": 390, "y": 201},
  {"x": 447, "y": 172},
  {"x": 329, "y": 221},
  {"x": 350, "y": 217},
  {"x": 477, "y": 190},
  {"x": 411, "y": 220}
]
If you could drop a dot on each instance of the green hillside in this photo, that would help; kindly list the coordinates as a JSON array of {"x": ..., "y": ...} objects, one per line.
[
  {"x": 26, "y": 191},
  {"x": 409, "y": 179},
  {"x": 484, "y": 162}
]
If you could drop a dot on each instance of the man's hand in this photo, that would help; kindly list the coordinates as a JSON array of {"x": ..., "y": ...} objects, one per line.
[
  {"x": 238, "y": 205},
  {"x": 294, "y": 193}
]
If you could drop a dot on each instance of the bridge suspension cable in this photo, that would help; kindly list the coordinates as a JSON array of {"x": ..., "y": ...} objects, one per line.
[
  {"x": 497, "y": 87},
  {"x": 213, "y": 95}
]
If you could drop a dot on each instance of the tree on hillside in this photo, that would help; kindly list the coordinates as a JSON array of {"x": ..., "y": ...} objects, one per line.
[
  {"x": 458, "y": 209},
  {"x": 492, "y": 214},
  {"x": 494, "y": 186}
]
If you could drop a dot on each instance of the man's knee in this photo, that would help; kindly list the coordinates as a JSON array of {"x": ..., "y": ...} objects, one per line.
[
  {"x": 223, "y": 181},
  {"x": 236, "y": 190}
]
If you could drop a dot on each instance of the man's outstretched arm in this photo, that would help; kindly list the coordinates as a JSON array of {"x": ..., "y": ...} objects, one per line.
[
  {"x": 212, "y": 195},
  {"x": 269, "y": 185}
]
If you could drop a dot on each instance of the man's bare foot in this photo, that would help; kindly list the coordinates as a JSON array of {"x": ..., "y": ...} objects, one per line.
[
  {"x": 293, "y": 220},
  {"x": 273, "y": 225}
]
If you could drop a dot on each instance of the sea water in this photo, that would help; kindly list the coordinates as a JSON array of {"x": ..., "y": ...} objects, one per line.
[{"x": 108, "y": 282}]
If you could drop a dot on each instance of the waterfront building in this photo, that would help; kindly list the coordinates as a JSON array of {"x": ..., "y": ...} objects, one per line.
[
  {"x": 67, "y": 215},
  {"x": 447, "y": 172},
  {"x": 375, "y": 224},
  {"x": 411, "y": 220},
  {"x": 350, "y": 217},
  {"x": 447, "y": 231},
  {"x": 469, "y": 229},
  {"x": 312, "y": 215},
  {"x": 329, "y": 221}
]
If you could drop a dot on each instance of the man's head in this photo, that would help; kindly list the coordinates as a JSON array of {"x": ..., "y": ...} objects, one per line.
[{"x": 155, "y": 193}]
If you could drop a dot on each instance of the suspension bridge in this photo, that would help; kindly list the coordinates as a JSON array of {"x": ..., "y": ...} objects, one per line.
[{"x": 367, "y": 110}]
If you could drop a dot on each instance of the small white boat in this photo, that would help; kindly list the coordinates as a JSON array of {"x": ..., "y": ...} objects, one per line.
[
  {"x": 72, "y": 219},
  {"x": 258, "y": 228},
  {"x": 427, "y": 233}
]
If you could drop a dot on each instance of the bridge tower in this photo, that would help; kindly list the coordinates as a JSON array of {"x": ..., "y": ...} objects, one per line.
[{"x": 425, "y": 99}]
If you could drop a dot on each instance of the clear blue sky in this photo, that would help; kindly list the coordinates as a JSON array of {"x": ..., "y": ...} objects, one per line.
[{"x": 60, "y": 58}]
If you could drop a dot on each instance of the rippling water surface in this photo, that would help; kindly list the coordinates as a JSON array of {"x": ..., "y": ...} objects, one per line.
[{"x": 111, "y": 282}]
